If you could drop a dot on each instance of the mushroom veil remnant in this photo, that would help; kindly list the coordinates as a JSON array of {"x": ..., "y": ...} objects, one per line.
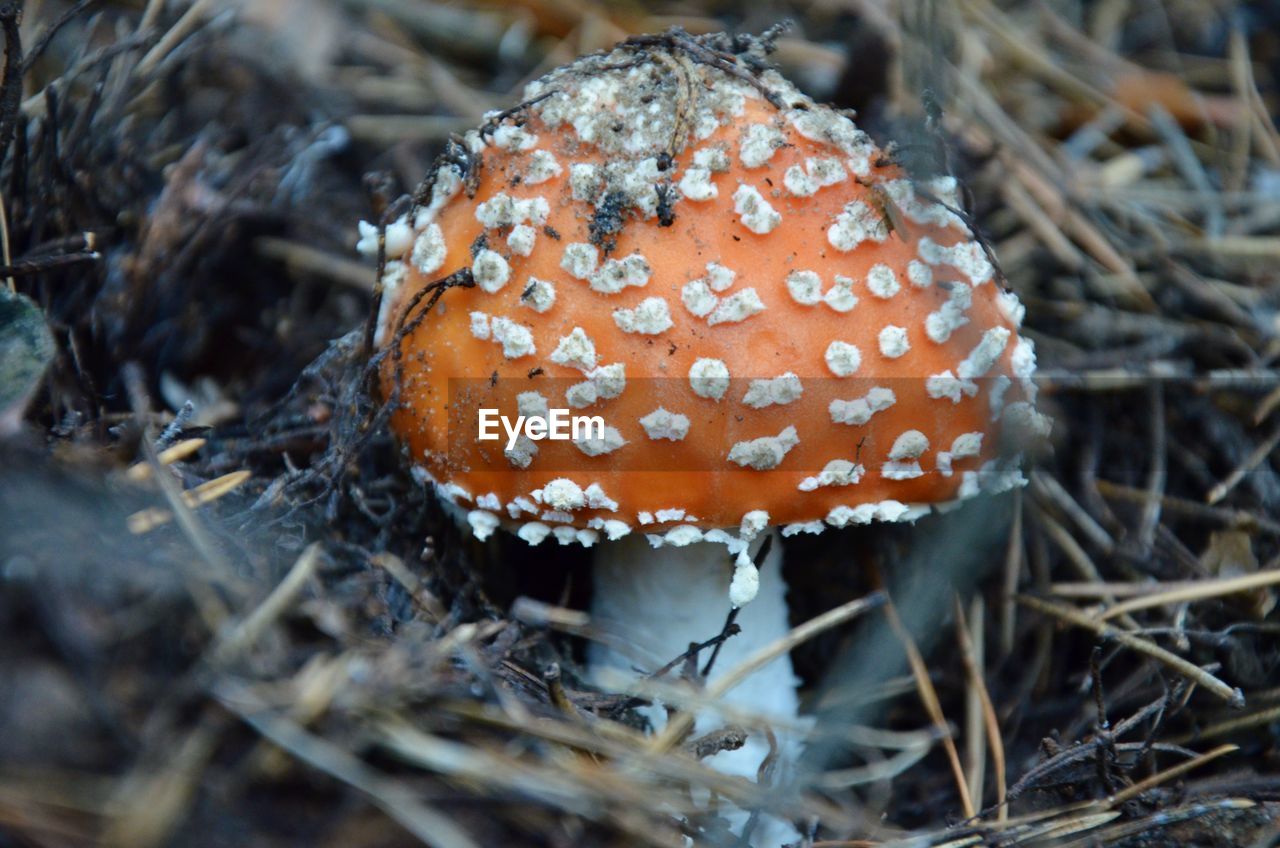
[{"x": 778, "y": 330}]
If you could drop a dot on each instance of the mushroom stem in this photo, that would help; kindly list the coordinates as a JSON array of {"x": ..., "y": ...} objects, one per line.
[{"x": 657, "y": 603}]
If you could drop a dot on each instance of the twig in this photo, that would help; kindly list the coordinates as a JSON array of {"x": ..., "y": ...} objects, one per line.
[
  {"x": 720, "y": 739},
  {"x": 37, "y": 50},
  {"x": 1228, "y": 517},
  {"x": 1048, "y": 487},
  {"x": 1080, "y": 751},
  {"x": 680, "y": 725},
  {"x": 1105, "y": 750},
  {"x": 1105, "y": 631},
  {"x": 555, "y": 690},
  {"x": 729, "y": 630}
]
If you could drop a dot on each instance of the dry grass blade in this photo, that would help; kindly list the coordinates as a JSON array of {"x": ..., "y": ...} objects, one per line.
[
  {"x": 1013, "y": 564},
  {"x": 4, "y": 245},
  {"x": 882, "y": 770},
  {"x": 388, "y": 129},
  {"x": 1169, "y": 774},
  {"x": 1185, "y": 506},
  {"x": 1234, "y": 725},
  {"x": 1045, "y": 228},
  {"x": 1048, "y": 487},
  {"x": 1150, "y": 825},
  {"x": 1197, "y": 591},
  {"x": 1105, "y": 631},
  {"x": 557, "y": 786},
  {"x": 625, "y": 747},
  {"x": 1257, "y": 456},
  {"x": 1077, "y": 555},
  {"x": 393, "y": 797},
  {"x": 303, "y": 259},
  {"x": 572, "y": 784},
  {"x": 929, "y": 697},
  {"x": 188, "y": 23},
  {"x": 427, "y": 602},
  {"x": 1087, "y": 590},
  {"x": 680, "y": 725},
  {"x": 1265, "y": 135},
  {"x": 141, "y": 472},
  {"x": 146, "y": 520},
  {"x": 1235, "y": 248},
  {"x": 242, "y": 635},
  {"x": 1267, "y": 406},
  {"x": 1156, "y": 473},
  {"x": 151, "y": 803},
  {"x": 541, "y": 614},
  {"x": 210, "y": 606},
  {"x": 1072, "y": 549},
  {"x": 1054, "y": 832},
  {"x": 972, "y": 654}
]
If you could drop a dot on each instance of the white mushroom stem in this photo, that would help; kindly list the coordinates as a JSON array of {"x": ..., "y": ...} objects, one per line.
[{"x": 657, "y": 602}]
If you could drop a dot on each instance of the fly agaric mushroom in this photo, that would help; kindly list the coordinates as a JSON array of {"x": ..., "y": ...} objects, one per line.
[{"x": 778, "y": 327}]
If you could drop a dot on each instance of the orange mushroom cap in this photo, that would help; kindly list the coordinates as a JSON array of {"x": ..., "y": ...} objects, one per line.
[{"x": 776, "y": 324}]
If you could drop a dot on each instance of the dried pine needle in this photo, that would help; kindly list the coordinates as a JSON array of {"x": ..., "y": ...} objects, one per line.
[{"x": 146, "y": 520}]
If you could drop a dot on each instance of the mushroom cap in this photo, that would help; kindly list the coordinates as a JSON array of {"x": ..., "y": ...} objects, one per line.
[{"x": 776, "y": 324}]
